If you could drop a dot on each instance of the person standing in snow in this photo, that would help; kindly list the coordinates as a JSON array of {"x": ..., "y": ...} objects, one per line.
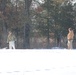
[
  {"x": 11, "y": 40},
  {"x": 70, "y": 37}
]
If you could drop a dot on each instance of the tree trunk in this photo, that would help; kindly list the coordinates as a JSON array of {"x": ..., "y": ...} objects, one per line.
[
  {"x": 3, "y": 6},
  {"x": 27, "y": 24},
  {"x": 48, "y": 37}
]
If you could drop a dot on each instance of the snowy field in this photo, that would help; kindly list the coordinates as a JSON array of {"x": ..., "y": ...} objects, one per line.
[{"x": 38, "y": 62}]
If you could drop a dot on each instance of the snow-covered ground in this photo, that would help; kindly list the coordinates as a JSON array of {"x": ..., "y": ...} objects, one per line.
[{"x": 38, "y": 62}]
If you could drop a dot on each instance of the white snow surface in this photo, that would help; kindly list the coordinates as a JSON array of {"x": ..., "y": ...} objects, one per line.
[{"x": 37, "y": 62}]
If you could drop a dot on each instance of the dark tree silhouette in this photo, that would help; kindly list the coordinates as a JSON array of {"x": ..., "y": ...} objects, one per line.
[{"x": 27, "y": 24}]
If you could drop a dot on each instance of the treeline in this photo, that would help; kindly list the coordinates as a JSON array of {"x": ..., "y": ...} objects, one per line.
[{"x": 32, "y": 18}]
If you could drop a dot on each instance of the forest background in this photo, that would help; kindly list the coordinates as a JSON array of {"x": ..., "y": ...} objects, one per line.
[{"x": 37, "y": 23}]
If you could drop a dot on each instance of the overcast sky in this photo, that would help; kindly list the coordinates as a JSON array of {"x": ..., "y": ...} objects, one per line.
[{"x": 73, "y": 1}]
